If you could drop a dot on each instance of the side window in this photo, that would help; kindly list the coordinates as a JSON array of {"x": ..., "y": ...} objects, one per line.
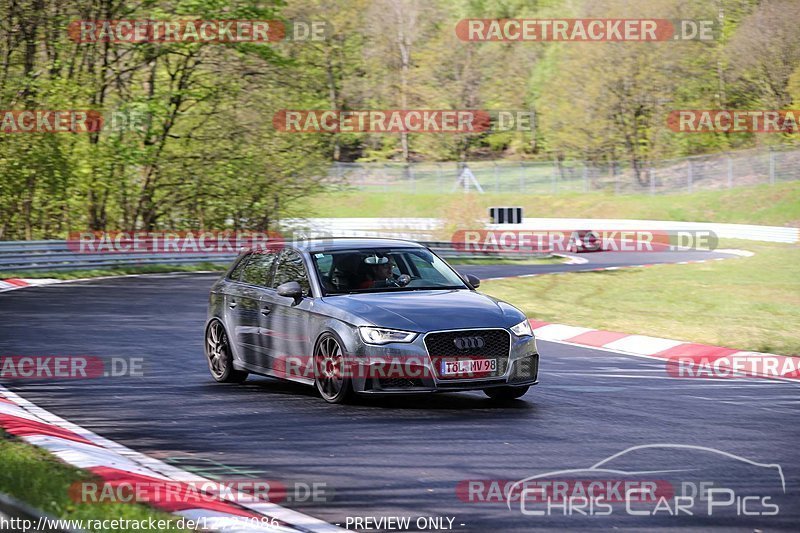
[
  {"x": 236, "y": 273},
  {"x": 258, "y": 270},
  {"x": 426, "y": 270},
  {"x": 291, "y": 268},
  {"x": 324, "y": 263}
]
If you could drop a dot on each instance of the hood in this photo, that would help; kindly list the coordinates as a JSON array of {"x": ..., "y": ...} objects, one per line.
[{"x": 423, "y": 311}]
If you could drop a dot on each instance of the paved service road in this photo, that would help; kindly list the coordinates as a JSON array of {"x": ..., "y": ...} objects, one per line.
[{"x": 401, "y": 456}]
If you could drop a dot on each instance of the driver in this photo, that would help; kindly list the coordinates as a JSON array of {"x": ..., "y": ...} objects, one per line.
[{"x": 378, "y": 272}]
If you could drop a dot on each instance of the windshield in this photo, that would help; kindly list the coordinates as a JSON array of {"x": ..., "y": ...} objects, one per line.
[{"x": 383, "y": 270}]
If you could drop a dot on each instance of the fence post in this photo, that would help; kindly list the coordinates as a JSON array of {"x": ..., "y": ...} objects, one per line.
[
  {"x": 413, "y": 179},
  {"x": 585, "y": 178},
  {"x": 554, "y": 177},
  {"x": 616, "y": 176},
  {"x": 730, "y": 172},
  {"x": 522, "y": 177},
  {"x": 439, "y": 177},
  {"x": 496, "y": 177},
  {"x": 771, "y": 167},
  {"x": 652, "y": 181},
  {"x": 689, "y": 176}
]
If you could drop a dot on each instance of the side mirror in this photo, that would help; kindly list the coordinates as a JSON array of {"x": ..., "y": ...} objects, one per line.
[
  {"x": 472, "y": 280},
  {"x": 291, "y": 289}
]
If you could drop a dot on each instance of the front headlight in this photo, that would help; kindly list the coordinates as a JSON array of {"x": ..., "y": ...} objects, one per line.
[
  {"x": 385, "y": 336},
  {"x": 522, "y": 329}
]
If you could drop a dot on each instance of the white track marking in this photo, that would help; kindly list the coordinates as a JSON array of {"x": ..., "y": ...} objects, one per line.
[
  {"x": 126, "y": 456},
  {"x": 642, "y": 344}
]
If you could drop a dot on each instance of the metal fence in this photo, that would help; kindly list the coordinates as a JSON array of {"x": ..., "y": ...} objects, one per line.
[
  {"x": 56, "y": 255},
  {"x": 685, "y": 175}
]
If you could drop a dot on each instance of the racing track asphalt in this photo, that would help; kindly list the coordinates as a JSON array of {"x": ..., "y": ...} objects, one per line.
[
  {"x": 595, "y": 260},
  {"x": 399, "y": 456}
]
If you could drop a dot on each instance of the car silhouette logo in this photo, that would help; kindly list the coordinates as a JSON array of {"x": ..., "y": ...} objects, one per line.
[{"x": 466, "y": 343}]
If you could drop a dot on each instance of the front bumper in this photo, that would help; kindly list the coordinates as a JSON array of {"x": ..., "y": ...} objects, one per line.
[{"x": 399, "y": 368}]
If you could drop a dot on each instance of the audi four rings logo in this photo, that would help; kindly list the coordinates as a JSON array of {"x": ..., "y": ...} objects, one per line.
[{"x": 466, "y": 343}]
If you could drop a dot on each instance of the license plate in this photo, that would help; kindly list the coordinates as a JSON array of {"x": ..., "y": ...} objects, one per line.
[{"x": 468, "y": 367}]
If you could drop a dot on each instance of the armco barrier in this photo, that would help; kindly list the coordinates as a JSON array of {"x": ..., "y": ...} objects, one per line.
[
  {"x": 55, "y": 255},
  {"x": 750, "y": 232},
  {"x": 424, "y": 229}
]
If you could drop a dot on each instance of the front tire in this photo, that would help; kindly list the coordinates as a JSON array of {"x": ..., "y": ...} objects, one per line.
[
  {"x": 329, "y": 368},
  {"x": 506, "y": 393},
  {"x": 219, "y": 356}
]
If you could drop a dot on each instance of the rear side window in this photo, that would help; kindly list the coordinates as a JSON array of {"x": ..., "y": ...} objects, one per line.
[
  {"x": 291, "y": 268},
  {"x": 258, "y": 270}
]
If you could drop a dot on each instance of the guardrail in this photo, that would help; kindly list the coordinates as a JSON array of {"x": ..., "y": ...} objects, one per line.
[
  {"x": 425, "y": 229},
  {"x": 749, "y": 232},
  {"x": 57, "y": 256}
]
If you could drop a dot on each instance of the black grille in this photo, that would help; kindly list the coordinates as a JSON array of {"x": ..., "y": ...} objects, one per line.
[
  {"x": 399, "y": 383},
  {"x": 473, "y": 344},
  {"x": 525, "y": 369}
]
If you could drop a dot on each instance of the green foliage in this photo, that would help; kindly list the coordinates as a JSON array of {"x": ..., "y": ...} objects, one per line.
[
  {"x": 37, "y": 478},
  {"x": 189, "y": 142}
]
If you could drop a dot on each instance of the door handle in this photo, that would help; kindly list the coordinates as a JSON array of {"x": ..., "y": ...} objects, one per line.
[
  {"x": 265, "y": 311},
  {"x": 232, "y": 304}
]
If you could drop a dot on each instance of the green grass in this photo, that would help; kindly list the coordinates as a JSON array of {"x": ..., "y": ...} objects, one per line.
[
  {"x": 770, "y": 205},
  {"x": 748, "y": 303},
  {"x": 117, "y": 271},
  {"x": 37, "y": 478}
]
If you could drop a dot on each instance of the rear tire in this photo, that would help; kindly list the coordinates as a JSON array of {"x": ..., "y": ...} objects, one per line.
[
  {"x": 506, "y": 393},
  {"x": 329, "y": 367},
  {"x": 218, "y": 354}
]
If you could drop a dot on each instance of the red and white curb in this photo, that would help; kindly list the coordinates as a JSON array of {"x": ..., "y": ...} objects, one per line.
[
  {"x": 115, "y": 463},
  {"x": 11, "y": 284},
  {"x": 704, "y": 357},
  {"x": 19, "y": 283},
  {"x": 572, "y": 259}
]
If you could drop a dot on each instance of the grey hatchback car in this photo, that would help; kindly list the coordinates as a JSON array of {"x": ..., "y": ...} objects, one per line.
[{"x": 370, "y": 316}]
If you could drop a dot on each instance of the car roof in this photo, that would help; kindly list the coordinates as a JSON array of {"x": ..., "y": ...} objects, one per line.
[{"x": 351, "y": 243}]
